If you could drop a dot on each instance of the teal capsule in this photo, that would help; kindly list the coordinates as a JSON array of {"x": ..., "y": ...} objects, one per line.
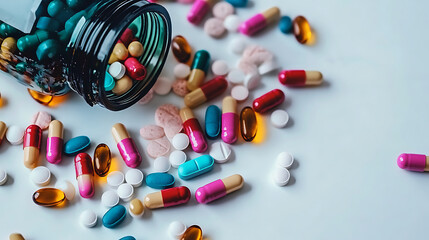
[
  {"x": 213, "y": 121},
  {"x": 285, "y": 24},
  {"x": 76, "y": 145},
  {"x": 48, "y": 49},
  {"x": 77, "y": 4},
  {"x": 72, "y": 22},
  {"x": 160, "y": 180},
  {"x": 195, "y": 167},
  {"x": 60, "y": 11},
  {"x": 109, "y": 82},
  {"x": 29, "y": 43},
  {"x": 64, "y": 36},
  {"x": 48, "y": 24},
  {"x": 8, "y": 31},
  {"x": 114, "y": 216},
  {"x": 238, "y": 3},
  {"x": 200, "y": 66}
]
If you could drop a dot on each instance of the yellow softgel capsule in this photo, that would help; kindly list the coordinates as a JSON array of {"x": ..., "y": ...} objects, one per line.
[
  {"x": 193, "y": 232},
  {"x": 49, "y": 197},
  {"x": 302, "y": 29},
  {"x": 102, "y": 159}
]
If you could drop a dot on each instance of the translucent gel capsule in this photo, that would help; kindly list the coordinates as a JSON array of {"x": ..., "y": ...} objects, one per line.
[
  {"x": 181, "y": 49},
  {"x": 301, "y": 29},
  {"x": 40, "y": 98},
  {"x": 102, "y": 160},
  {"x": 193, "y": 232},
  {"x": 49, "y": 197},
  {"x": 248, "y": 124}
]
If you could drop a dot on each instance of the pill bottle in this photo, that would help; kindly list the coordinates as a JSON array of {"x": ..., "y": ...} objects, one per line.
[{"x": 78, "y": 51}]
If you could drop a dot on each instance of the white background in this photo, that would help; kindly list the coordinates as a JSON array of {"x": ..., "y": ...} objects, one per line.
[{"x": 345, "y": 136}]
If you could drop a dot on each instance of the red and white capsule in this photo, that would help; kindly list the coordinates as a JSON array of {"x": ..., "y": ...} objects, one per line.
[
  {"x": 84, "y": 175},
  {"x": 32, "y": 144},
  {"x": 300, "y": 78}
]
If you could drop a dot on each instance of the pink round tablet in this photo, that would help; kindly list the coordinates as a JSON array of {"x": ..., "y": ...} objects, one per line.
[
  {"x": 147, "y": 97},
  {"x": 173, "y": 127},
  {"x": 158, "y": 147},
  {"x": 166, "y": 112},
  {"x": 152, "y": 132},
  {"x": 222, "y": 10},
  {"x": 214, "y": 27},
  {"x": 41, "y": 119},
  {"x": 239, "y": 93},
  {"x": 179, "y": 87},
  {"x": 247, "y": 67},
  {"x": 257, "y": 54}
]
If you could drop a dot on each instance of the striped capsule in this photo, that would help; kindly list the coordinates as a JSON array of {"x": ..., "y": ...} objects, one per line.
[
  {"x": 3, "y": 129},
  {"x": 219, "y": 188},
  {"x": 193, "y": 130},
  {"x": 268, "y": 101},
  {"x": 300, "y": 78},
  {"x": 126, "y": 146},
  {"x": 32, "y": 144},
  {"x": 413, "y": 162},
  {"x": 206, "y": 92},
  {"x": 229, "y": 130},
  {"x": 199, "y": 68},
  {"x": 167, "y": 197},
  {"x": 84, "y": 175},
  {"x": 54, "y": 146}
]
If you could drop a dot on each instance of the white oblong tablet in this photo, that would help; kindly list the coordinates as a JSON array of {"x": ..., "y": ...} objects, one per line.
[
  {"x": 177, "y": 157},
  {"x": 15, "y": 134},
  {"x": 284, "y": 160},
  {"x": 220, "y": 68},
  {"x": 3, "y": 176},
  {"x": 237, "y": 45},
  {"x": 281, "y": 176},
  {"x": 180, "y": 141},
  {"x": 162, "y": 86},
  {"x": 41, "y": 176},
  {"x": 88, "y": 218},
  {"x": 279, "y": 118},
  {"x": 176, "y": 229},
  {"x": 68, "y": 189},
  {"x": 161, "y": 164},
  {"x": 117, "y": 70},
  {"x": 220, "y": 152},
  {"x": 235, "y": 76},
  {"x": 268, "y": 67},
  {"x": 115, "y": 178},
  {"x": 252, "y": 80},
  {"x": 125, "y": 192},
  {"x": 182, "y": 71},
  {"x": 134, "y": 177},
  {"x": 110, "y": 198},
  {"x": 232, "y": 22},
  {"x": 239, "y": 93}
]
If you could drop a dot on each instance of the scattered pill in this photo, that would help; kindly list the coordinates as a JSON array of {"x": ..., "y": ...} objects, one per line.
[
  {"x": 32, "y": 145},
  {"x": 125, "y": 192},
  {"x": 41, "y": 119},
  {"x": 119, "y": 53},
  {"x": 122, "y": 85},
  {"x": 162, "y": 86},
  {"x": 176, "y": 229},
  {"x": 134, "y": 177},
  {"x": 177, "y": 157},
  {"x": 221, "y": 10},
  {"x": 128, "y": 238},
  {"x": 126, "y": 146},
  {"x": 179, "y": 87},
  {"x": 167, "y": 197},
  {"x": 199, "y": 68},
  {"x": 127, "y": 36},
  {"x": 115, "y": 178},
  {"x": 152, "y": 132},
  {"x": 260, "y": 21},
  {"x": 68, "y": 189},
  {"x": 161, "y": 164},
  {"x": 213, "y": 121},
  {"x": 16, "y": 236},
  {"x": 181, "y": 70},
  {"x": 206, "y": 92},
  {"x": 165, "y": 114},
  {"x": 279, "y": 118},
  {"x": 84, "y": 175},
  {"x": 160, "y": 180},
  {"x": 219, "y": 188},
  {"x": 158, "y": 147},
  {"x": 285, "y": 24},
  {"x": 192, "y": 232},
  {"x": 284, "y": 160},
  {"x": 220, "y": 152},
  {"x": 232, "y": 23},
  {"x": 76, "y": 145},
  {"x": 114, "y": 216},
  {"x": 117, "y": 70},
  {"x": 49, "y": 197},
  {"x": 252, "y": 80},
  {"x": 193, "y": 130},
  {"x": 181, "y": 49},
  {"x": 41, "y": 176},
  {"x": 230, "y": 125},
  {"x": 195, "y": 167},
  {"x": 238, "y": 3},
  {"x": 268, "y": 101},
  {"x": 267, "y": 67},
  {"x": 3, "y": 176},
  {"x": 214, "y": 27},
  {"x": 413, "y": 162},
  {"x": 240, "y": 93},
  {"x": 235, "y": 76},
  {"x": 300, "y": 78},
  {"x": 249, "y": 125},
  {"x": 110, "y": 198},
  {"x": 102, "y": 159},
  {"x": 88, "y": 218},
  {"x": 180, "y": 141},
  {"x": 55, "y": 143},
  {"x": 109, "y": 82},
  {"x": 220, "y": 68},
  {"x": 135, "y": 49},
  {"x": 3, "y": 129},
  {"x": 247, "y": 66},
  {"x": 198, "y": 10},
  {"x": 136, "y": 208},
  {"x": 302, "y": 30},
  {"x": 15, "y": 135},
  {"x": 281, "y": 176},
  {"x": 257, "y": 54},
  {"x": 147, "y": 98}
]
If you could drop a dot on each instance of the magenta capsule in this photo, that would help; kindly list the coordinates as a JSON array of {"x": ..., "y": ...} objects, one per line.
[
  {"x": 84, "y": 175},
  {"x": 229, "y": 120},
  {"x": 135, "y": 69},
  {"x": 193, "y": 130},
  {"x": 219, "y": 188},
  {"x": 198, "y": 10},
  {"x": 413, "y": 162},
  {"x": 260, "y": 21},
  {"x": 268, "y": 101},
  {"x": 126, "y": 146},
  {"x": 54, "y": 146}
]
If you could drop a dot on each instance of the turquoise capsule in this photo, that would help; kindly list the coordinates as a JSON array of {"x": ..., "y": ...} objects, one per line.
[
  {"x": 72, "y": 22},
  {"x": 8, "y": 31},
  {"x": 64, "y": 36},
  {"x": 160, "y": 180},
  {"x": 114, "y": 216},
  {"x": 48, "y": 49},
  {"x": 201, "y": 61},
  {"x": 77, "y": 4},
  {"x": 30, "y": 42},
  {"x": 76, "y": 145},
  {"x": 238, "y": 3},
  {"x": 285, "y": 24},
  {"x": 48, "y": 24},
  {"x": 109, "y": 82},
  {"x": 213, "y": 121},
  {"x": 60, "y": 11},
  {"x": 195, "y": 167},
  {"x": 128, "y": 238}
]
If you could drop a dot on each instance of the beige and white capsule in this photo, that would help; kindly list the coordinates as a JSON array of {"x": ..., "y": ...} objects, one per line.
[
  {"x": 54, "y": 146},
  {"x": 219, "y": 188},
  {"x": 32, "y": 144},
  {"x": 136, "y": 207},
  {"x": 3, "y": 129}
]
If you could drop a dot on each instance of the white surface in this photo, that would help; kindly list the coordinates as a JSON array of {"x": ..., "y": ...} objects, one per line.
[
  {"x": 115, "y": 178},
  {"x": 345, "y": 135},
  {"x": 281, "y": 176},
  {"x": 220, "y": 152}
]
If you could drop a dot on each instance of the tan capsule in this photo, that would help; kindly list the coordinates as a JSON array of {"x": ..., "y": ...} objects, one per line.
[
  {"x": 16, "y": 236},
  {"x": 122, "y": 85},
  {"x": 119, "y": 132},
  {"x": 196, "y": 78},
  {"x": 271, "y": 15},
  {"x": 154, "y": 200},
  {"x": 3, "y": 128},
  {"x": 136, "y": 208},
  {"x": 9, "y": 45},
  {"x": 135, "y": 49},
  {"x": 54, "y": 146},
  {"x": 167, "y": 197},
  {"x": 233, "y": 183},
  {"x": 119, "y": 53},
  {"x": 55, "y": 129}
]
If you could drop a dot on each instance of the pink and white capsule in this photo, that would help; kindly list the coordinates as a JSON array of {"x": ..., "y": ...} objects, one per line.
[
  {"x": 54, "y": 146},
  {"x": 413, "y": 162},
  {"x": 260, "y": 21},
  {"x": 229, "y": 120},
  {"x": 199, "y": 9},
  {"x": 126, "y": 146},
  {"x": 84, "y": 175}
]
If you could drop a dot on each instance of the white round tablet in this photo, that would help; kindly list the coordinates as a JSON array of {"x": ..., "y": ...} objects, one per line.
[
  {"x": 176, "y": 229},
  {"x": 284, "y": 160},
  {"x": 88, "y": 218},
  {"x": 110, "y": 198},
  {"x": 115, "y": 178},
  {"x": 125, "y": 191},
  {"x": 68, "y": 189},
  {"x": 279, "y": 118},
  {"x": 180, "y": 141},
  {"x": 281, "y": 176},
  {"x": 162, "y": 86},
  {"x": 117, "y": 70},
  {"x": 235, "y": 76},
  {"x": 134, "y": 177},
  {"x": 41, "y": 176},
  {"x": 232, "y": 22},
  {"x": 15, "y": 135},
  {"x": 3, "y": 176},
  {"x": 267, "y": 67},
  {"x": 177, "y": 157},
  {"x": 161, "y": 164},
  {"x": 220, "y": 68},
  {"x": 237, "y": 45},
  {"x": 240, "y": 93},
  {"x": 182, "y": 71},
  {"x": 220, "y": 152},
  {"x": 252, "y": 80}
]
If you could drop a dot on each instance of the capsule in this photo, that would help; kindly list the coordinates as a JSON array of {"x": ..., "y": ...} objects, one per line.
[
  {"x": 193, "y": 232},
  {"x": 84, "y": 175},
  {"x": 229, "y": 120},
  {"x": 16, "y": 236},
  {"x": 260, "y": 21},
  {"x": 126, "y": 146},
  {"x": 199, "y": 68},
  {"x": 181, "y": 49},
  {"x": 300, "y": 78},
  {"x": 268, "y": 101},
  {"x": 119, "y": 53},
  {"x": 135, "y": 69},
  {"x": 32, "y": 144},
  {"x": 193, "y": 130},
  {"x": 41, "y": 98},
  {"x": 195, "y": 167},
  {"x": 49, "y": 197},
  {"x": 199, "y": 9},
  {"x": 54, "y": 146},
  {"x": 248, "y": 124},
  {"x": 213, "y": 121},
  {"x": 102, "y": 159},
  {"x": 167, "y": 197},
  {"x": 3, "y": 129},
  {"x": 219, "y": 188},
  {"x": 127, "y": 37},
  {"x": 206, "y": 92},
  {"x": 301, "y": 29},
  {"x": 413, "y": 162}
]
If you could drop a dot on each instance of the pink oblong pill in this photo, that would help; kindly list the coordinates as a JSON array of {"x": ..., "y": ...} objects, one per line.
[{"x": 413, "y": 162}]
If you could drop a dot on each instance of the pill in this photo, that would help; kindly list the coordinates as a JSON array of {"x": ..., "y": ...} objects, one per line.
[
  {"x": 127, "y": 37},
  {"x": 134, "y": 177},
  {"x": 161, "y": 164},
  {"x": 126, "y": 146},
  {"x": 8, "y": 45},
  {"x": 165, "y": 114},
  {"x": 238, "y": 3},
  {"x": 213, "y": 121},
  {"x": 88, "y": 218},
  {"x": 219, "y": 188},
  {"x": 247, "y": 66},
  {"x": 135, "y": 69},
  {"x": 15, "y": 135},
  {"x": 55, "y": 143},
  {"x": 257, "y": 54},
  {"x": 135, "y": 49},
  {"x": 48, "y": 50},
  {"x": 136, "y": 208},
  {"x": 49, "y": 197},
  {"x": 125, "y": 192},
  {"x": 114, "y": 216},
  {"x": 260, "y": 21},
  {"x": 248, "y": 124},
  {"x": 235, "y": 76},
  {"x": 115, "y": 178},
  {"x": 206, "y": 92},
  {"x": 158, "y": 147},
  {"x": 76, "y": 145},
  {"x": 117, "y": 70},
  {"x": 167, "y": 197},
  {"x": 84, "y": 175},
  {"x": 6, "y": 30},
  {"x": 59, "y": 10},
  {"x": 199, "y": 67},
  {"x": 3, "y": 129},
  {"x": 179, "y": 87},
  {"x": 284, "y": 160},
  {"x": 102, "y": 159},
  {"x": 176, "y": 158},
  {"x": 48, "y": 24},
  {"x": 176, "y": 229},
  {"x": 181, "y": 49},
  {"x": 285, "y": 24},
  {"x": 214, "y": 27},
  {"x": 413, "y": 162},
  {"x": 252, "y": 80},
  {"x": 68, "y": 189},
  {"x": 232, "y": 23},
  {"x": 110, "y": 198},
  {"x": 193, "y": 232},
  {"x": 220, "y": 68},
  {"x": 128, "y": 238},
  {"x": 267, "y": 67},
  {"x": 16, "y": 236},
  {"x": 181, "y": 70},
  {"x": 41, "y": 119},
  {"x": 240, "y": 93},
  {"x": 279, "y": 118},
  {"x": 180, "y": 141},
  {"x": 193, "y": 130},
  {"x": 268, "y": 101},
  {"x": 152, "y": 132},
  {"x": 195, "y": 167},
  {"x": 162, "y": 86},
  {"x": 122, "y": 85},
  {"x": 229, "y": 129},
  {"x": 221, "y": 10},
  {"x": 76, "y": 4},
  {"x": 29, "y": 43},
  {"x": 147, "y": 98},
  {"x": 160, "y": 180},
  {"x": 220, "y": 152},
  {"x": 41, "y": 176},
  {"x": 109, "y": 82},
  {"x": 3, "y": 176},
  {"x": 198, "y": 10},
  {"x": 301, "y": 30},
  {"x": 300, "y": 78},
  {"x": 281, "y": 176},
  {"x": 32, "y": 144},
  {"x": 119, "y": 53}
]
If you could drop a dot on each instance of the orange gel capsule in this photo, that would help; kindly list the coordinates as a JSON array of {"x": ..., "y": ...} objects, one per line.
[
  {"x": 248, "y": 124},
  {"x": 102, "y": 159},
  {"x": 49, "y": 197},
  {"x": 181, "y": 49},
  {"x": 193, "y": 232},
  {"x": 301, "y": 29},
  {"x": 40, "y": 97}
]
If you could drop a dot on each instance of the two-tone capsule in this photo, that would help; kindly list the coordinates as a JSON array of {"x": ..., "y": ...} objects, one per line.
[
  {"x": 300, "y": 78},
  {"x": 54, "y": 146},
  {"x": 32, "y": 144},
  {"x": 126, "y": 146},
  {"x": 167, "y": 197},
  {"x": 268, "y": 101},
  {"x": 248, "y": 124},
  {"x": 219, "y": 188},
  {"x": 206, "y": 92},
  {"x": 193, "y": 130},
  {"x": 198, "y": 10},
  {"x": 3, "y": 129},
  {"x": 260, "y": 21},
  {"x": 413, "y": 162},
  {"x": 229, "y": 120},
  {"x": 84, "y": 175},
  {"x": 199, "y": 68}
]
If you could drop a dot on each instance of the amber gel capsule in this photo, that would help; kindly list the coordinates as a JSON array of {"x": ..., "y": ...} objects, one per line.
[
  {"x": 102, "y": 159},
  {"x": 248, "y": 124},
  {"x": 49, "y": 197},
  {"x": 181, "y": 49},
  {"x": 193, "y": 232},
  {"x": 301, "y": 29}
]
